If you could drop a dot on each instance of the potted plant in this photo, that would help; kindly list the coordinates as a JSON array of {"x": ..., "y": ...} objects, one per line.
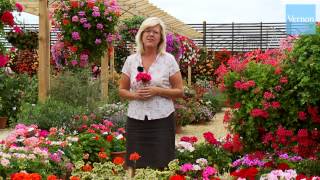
[{"x": 118, "y": 145}]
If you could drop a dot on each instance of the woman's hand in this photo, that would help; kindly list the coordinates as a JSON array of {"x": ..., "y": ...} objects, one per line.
[{"x": 147, "y": 92}]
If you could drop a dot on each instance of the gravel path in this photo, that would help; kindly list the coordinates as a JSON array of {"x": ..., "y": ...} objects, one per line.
[{"x": 216, "y": 126}]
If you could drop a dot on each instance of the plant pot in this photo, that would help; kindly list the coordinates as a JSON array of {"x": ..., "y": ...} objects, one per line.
[
  {"x": 118, "y": 154},
  {"x": 3, "y": 122}
]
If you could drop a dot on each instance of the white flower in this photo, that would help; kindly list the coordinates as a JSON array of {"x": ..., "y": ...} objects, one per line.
[
  {"x": 5, "y": 162},
  {"x": 202, "y": 161},
  {"x": 196, "y": 167},
  {"x": 183, "y": 146},
  {"x": 120, "y": 136}
]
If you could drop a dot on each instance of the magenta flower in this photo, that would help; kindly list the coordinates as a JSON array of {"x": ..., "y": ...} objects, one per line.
[
  {"x": 186, "y": 167},
  {"x": 97, "y": 41},
  {"x": 83, "y": 20},
  {"x": 74, "y": 62},
  {"x": 96, "y": 14},
  {"x": 99, "y": 26},
  {"x": 208, "y": 171},
  {"x": 3, "y": 60},
  {"x": 75, "y": 36},
  {"x": 87, "y": 25},
  {"x": 95, "y": 8},
  {"x": 75, "y": 18}
]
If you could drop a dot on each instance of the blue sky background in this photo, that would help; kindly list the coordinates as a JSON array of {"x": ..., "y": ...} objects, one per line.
[{"x": 219, "y": 11}]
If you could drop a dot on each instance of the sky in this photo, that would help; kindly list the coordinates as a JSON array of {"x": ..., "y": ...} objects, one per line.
[
  {"x": 219, "y": 11},
  {"x": 227, "y": 11}
]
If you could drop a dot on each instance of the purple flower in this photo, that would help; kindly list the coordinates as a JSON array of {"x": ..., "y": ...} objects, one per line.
[
  {"x": 83, "y": 63},
  {"x": 96, "y": 14},
  {"x": 75, "y": 36},
  {"x": 97, "y": 41},
  {"x": 186, "y": 167},
  {"x": 87, "y": 25},
  {"x": 95, "y": 8},
  {"x": 75, "y": 18},
  {"x": 56, "y": 157},
  {"x": 99, "y": 26},
  {"x": 83, "y": 20},
  {"x": 110, "y": 38},
  {"x": 74, "y": 62},
  {"x": 81, "y": 13},
  {"x": 84, "y": 57},
  {"x": 283, "y": 156}
]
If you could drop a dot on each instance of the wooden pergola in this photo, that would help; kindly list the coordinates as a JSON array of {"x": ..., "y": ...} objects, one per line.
[{"x": 129, "y": 8}]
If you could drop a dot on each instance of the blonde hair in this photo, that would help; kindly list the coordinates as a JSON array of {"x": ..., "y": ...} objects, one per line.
[{"x": 150, "y": 22}]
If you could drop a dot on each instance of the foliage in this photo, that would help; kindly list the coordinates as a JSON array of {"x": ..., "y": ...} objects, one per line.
[
  {"x": 129, "y": 27},
  {"x": 115, "y": 112},
  {"x": 309, "y": 167},
  {"x": 274, "y": 97},
  {"x": 76, "y": 88},
  {"x": 121, "y": 54},
  {"x": 14, "y": 90},
  {"x": 190, "y": 55},
  {"x": 25, "y": 39},
  {"x": 100, "y": 171},
  {"x": 23, "y": 61},
  {"x": 87, "y": 28},
  {"x": 52, "y": 113}
]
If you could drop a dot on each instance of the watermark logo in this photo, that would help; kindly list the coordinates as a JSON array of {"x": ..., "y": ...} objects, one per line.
[{"x": 300, "y": 19}]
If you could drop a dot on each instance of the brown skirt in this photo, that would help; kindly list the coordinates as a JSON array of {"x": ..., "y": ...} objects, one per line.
[{"x": 154, "y": 140}]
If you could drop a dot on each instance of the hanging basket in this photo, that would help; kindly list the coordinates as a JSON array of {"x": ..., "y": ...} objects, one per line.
[{"x": 3, "y": 122}]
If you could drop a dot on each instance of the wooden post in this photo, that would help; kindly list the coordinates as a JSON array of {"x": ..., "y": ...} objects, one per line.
[
  {"x": 105, "y": 75},
  {"x": 111, "y": 53},
  {"x": 44, "y": 52},
  {"x": 131, "y": 48},
  {"x": 189, "y": 75}
]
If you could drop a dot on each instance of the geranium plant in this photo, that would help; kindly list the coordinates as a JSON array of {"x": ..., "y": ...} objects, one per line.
[
  {"x": 86, "y": 29},
  {"x": 174, "y": 45}
]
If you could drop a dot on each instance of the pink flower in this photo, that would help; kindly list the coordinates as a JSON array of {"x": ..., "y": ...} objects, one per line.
[
  {"x": 3, "y": 60},
  {"x": 186, "y": 167},
  {"x": 75, "y": 36},
  {"x": 74, "y": 62},
  {"x": 275, "y": 104},
  {"x": 97, "y": 41},
  {"x": 19, "y": 7},
  {"x": 17, "y": 29},
  {"x": 268, "y": 95},
  {"x": 284, "y": 80},
  {"x": 75, "y": 18},
  {"x": 208, "y": 171},
  {"x": 144, "y": 77}
]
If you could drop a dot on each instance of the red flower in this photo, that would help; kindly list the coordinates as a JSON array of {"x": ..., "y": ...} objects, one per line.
[
  {"x": 283, "y": 166},
  {"x": 177, "y": 177},
  {"x": 19, "y": 7},
  {"x": 3, "y": 60},
  {"x": 35, "y": 176},
  {"x": 118, "y": 160},
  {"x": 87, "y": 168},
  {"x": 90, "y": 4},
  {"x": 109, "y": 138},
  {"x": 65, "y": 22},
  {"x": 74, "y": 4},
  {"x": 74, "y": 178},
  {"x": 302, "y": 115},
  {"x": 52, "y": 177},
  {"x": 144, "y": 77},
  {"x": 7, "y": 18},
  {"x": 134, "y": 156},
  {"x": 209, "y": 137},
  {"x": 102, "y": 155}
]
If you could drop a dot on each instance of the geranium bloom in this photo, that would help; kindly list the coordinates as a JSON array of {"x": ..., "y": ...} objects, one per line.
[
  {"x": 209, "y": 137},
  {"x": 3, "y": 60},
  {"x": 19, "y": 7},
  {"x": 302, "y": 115},
  {"x": 186, "y": 167},
  {"x": 103, "y": 155},
  {"x": 7, "y": 18},
  {"x": 177, "y": 177},
  {"x": 75, "y": 36},
  {"x": 134, "y": 156},
  {"x": 144, "y": 77},
  {"x": 97, "y": 41},
  {"x": 87, "y": 168},
  {"x": 118, "y": 160},
  {"x": 52, "y": 177},
  {"x": 74, "y": 178},
  {"x": 75, "y": 18}
]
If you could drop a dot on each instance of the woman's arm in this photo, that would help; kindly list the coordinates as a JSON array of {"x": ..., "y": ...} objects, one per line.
[{"x": 176, "y": 90}]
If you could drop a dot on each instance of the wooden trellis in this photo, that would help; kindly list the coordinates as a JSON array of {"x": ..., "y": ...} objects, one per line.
[{"x": 129, "y": 8}]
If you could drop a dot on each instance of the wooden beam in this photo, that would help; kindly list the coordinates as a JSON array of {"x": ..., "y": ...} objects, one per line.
[
  {"x": 105, "y": 75},
  {"x": 44, "y": 51}
]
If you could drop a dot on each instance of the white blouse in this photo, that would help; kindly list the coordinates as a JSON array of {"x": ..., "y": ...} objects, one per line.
[{"x": 162, "y": 68}]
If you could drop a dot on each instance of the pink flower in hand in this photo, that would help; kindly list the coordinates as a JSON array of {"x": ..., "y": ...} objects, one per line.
[{"x": 144, "y": 77}]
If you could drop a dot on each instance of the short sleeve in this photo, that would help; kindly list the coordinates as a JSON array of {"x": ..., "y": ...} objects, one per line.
[
  {"x": 126, "y": 67},
  {"x": 174, "y": 67}
]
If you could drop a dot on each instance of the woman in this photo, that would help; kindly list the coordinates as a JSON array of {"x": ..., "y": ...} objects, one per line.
[{"x": 151, "y": 125}]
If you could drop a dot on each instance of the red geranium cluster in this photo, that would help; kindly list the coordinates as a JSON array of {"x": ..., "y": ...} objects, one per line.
[
  {"x": 209, "y": 137},
  {"x": 248, "y": 173},
  {"x": 233, "y": 144},
  {"x": 191, "y": 139},
  {"x": 304, "y": 143},
  {"x": 144, "y": 77}
]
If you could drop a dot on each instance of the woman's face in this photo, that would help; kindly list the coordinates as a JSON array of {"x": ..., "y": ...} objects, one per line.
[{"x": 151, "y": 37}]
